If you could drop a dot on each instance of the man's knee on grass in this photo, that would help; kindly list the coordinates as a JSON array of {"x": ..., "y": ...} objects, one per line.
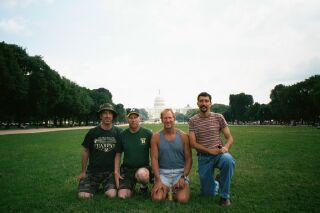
[
  {"x": 183, "y": 196},
  {"x": 124, "y": 193},
  {"x": 111, "y": 193},
  {"x": 157, "y": 197},
  {"x": 143, "y": 175}
]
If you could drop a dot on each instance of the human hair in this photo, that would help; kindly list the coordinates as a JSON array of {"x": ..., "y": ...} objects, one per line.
[
  {"x": 167, "y": 110},
  {"x": 204, "y": 94}
]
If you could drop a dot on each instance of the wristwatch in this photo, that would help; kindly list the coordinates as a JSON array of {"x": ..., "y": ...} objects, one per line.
[{"x": 184, "y": 177}]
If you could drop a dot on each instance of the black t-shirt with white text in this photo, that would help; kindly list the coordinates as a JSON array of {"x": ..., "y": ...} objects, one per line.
[{"x": 101, "y": 145}]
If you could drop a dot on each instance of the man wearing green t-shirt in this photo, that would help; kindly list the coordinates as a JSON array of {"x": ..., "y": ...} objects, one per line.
[
  {"x": 135, "y": 145},
  {"x": 99, "y": 148}
]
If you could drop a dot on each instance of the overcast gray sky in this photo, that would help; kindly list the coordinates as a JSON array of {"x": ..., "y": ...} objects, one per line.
[{"x": 134, "y": 48}]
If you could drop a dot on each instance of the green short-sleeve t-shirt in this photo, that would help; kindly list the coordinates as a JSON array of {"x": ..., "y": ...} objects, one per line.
[
  {"x": 135, "y": 147},
  {"x": 101, "y": 145}
]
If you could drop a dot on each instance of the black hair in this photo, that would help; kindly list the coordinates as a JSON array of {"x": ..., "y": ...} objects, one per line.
[{"x": 205, "y": 94}]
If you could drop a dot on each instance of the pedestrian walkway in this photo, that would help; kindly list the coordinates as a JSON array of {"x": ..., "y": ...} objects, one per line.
[{"x": 39, "y": 130}]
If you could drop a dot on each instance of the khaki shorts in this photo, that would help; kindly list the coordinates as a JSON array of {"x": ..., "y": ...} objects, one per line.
[{"x": 92, "y": 182}]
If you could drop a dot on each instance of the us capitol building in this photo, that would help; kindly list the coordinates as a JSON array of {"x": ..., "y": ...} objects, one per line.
[{"x": 158, "y": 106}]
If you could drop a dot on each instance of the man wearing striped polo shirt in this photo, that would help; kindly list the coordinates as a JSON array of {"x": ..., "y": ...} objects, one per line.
[{"x": 204, "y": 132}]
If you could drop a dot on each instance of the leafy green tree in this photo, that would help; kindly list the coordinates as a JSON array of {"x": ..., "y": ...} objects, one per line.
[
  {"x": 219, "y": 108},
  {"x": 99, "y": 96},
  {"x": 298, "y": 102},
  {"x": 240, "y": 105},
  {"x": 190, "y": 113},
  {"x": 144, "y": 114},
  {"x": 121, "y": 113},
  {"x": 253, "y": 112},
  {"x": 278, "y": 102},
  {"x": 227, "y": 115},
  {"x": 180, "y": 117},
  {"x": 31, "y": 91},
  {"x": 315, "y": 94},
  {"x": 54, "y": 93},
  {"x": 38, "y": 89},
  {"x": 68, "y": 108},
  {"x": 264, "y": 113},
  {"x": 84, "y": 105},
  {"x": 305, "y": 104},
  {"x": 13, "y": 84}
]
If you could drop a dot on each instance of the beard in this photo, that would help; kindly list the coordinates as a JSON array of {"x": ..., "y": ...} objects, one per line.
[{"x": 203, "y": 108}]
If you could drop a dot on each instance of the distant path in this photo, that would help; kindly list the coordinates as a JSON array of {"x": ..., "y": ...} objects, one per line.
[{"x": 28, "y": 131}]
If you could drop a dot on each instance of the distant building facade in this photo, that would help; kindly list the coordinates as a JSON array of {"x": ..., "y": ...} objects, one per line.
[
  {"x": 158, "y": 106},
  {"x": 183, "y": 110}
]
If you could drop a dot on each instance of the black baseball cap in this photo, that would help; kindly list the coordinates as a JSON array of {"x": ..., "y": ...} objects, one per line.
[{"x": 133, "y": 111}]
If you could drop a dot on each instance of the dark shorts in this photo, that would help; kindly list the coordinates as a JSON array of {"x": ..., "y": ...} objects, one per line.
[
  {"x": 92, "y": 182},
  {"x": 129, "y": 177}
]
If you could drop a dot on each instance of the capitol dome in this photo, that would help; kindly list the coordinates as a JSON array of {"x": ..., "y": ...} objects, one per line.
[{"x": 159, "y": 102}]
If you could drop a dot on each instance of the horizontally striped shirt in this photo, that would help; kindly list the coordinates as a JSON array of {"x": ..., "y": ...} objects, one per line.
[{"x": 208, "y": 129}]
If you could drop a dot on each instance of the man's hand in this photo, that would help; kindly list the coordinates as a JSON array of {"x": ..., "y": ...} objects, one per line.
[
  {"x": 219, "y": 150},
  {"x": 180, "y": 184},
  {"x": 82, "y": 175},
  {"x": 158, "y": 186},
  {"x": 215, "y": 151},
  {"x": 117, "y": 178},
  {"x": 224, "y": 149}
]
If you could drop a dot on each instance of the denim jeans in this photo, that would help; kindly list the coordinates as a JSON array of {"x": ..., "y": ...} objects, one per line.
[{"x": 206, "y": 165}]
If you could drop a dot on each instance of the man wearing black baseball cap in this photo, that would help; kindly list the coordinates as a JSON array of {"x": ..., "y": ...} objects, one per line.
[
  {"x": 135, "y": 145},
  {"x": 99, "y": 148}
]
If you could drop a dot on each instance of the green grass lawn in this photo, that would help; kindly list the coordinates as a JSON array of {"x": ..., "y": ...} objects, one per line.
[{"x": 277, "y": 170}]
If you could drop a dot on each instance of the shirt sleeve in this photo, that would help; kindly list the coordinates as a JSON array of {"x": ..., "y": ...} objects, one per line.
[
  {"x": 119, "y": 148},
  {"x": 88, "y": 141},
  {"x": 191, "y": 125},
  {"x": 223, "y": 122},
  {"x": 149, "y": 138}
]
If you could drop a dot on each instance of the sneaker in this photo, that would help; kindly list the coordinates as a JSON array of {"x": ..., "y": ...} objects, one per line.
[
  {"x": 218, "y": 178},
  {"x": 225, "y": 202},
  {"x": 217, "y": 184}
]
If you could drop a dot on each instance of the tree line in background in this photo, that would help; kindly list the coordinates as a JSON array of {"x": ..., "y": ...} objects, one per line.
[
  {"x": 298, "y": 103},
  {"x": 31, "y": 92}
]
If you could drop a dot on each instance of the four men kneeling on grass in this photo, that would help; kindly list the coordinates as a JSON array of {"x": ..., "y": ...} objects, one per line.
[{"x": 171, "y": 158}]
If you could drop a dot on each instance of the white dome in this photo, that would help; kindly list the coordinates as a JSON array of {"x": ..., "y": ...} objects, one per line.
[{"x": 159, "y": 102}]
